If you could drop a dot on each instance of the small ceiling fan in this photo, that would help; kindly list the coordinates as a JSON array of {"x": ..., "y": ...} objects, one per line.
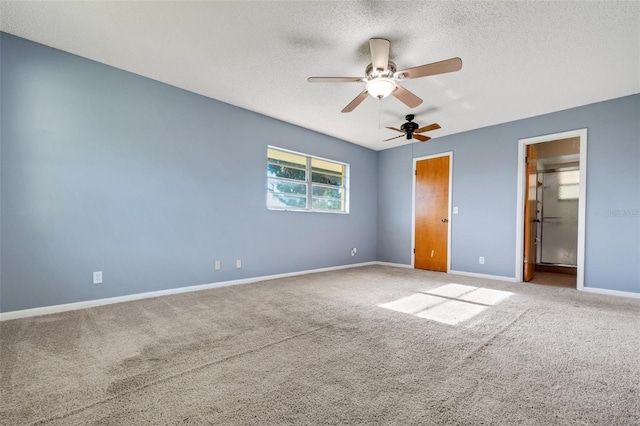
[
  {"x": 411, "y": 130},
  {"x": 381, "y": 76}
]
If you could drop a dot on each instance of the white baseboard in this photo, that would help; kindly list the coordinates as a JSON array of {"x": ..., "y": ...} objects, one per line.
[
  {"x": 486, "y": 276},
  {"x": 131, "y": 297},
  {"x": 586, "y": 289},
  {"x": 45, "y": 310},
  {"x": 611, "y": 292},
  {"x": 395, "y": 265}
]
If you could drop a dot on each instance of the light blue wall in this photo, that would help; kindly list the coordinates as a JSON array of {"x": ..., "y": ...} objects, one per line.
[
  {"x": 104, "y": 170},
  {"x": 394, "y": 205},
  {"x": 484, "y": 190}
]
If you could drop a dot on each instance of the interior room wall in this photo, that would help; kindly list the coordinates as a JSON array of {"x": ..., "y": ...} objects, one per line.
[
  {"x": 394, "y": 218},
  {"x": 104, "y": 170},
  {"x": 484, "y": 190}
]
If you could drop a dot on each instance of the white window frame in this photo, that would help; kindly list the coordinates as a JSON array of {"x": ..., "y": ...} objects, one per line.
[{"x": 310, "y": 184}]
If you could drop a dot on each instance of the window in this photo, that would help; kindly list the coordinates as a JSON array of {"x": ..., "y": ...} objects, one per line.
[
  {"x": 302, "y": 182},
  {"x": 569, "y": 188}
]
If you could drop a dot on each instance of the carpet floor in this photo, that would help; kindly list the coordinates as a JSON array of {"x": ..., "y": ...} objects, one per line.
[{"x": 368, "y": 345}]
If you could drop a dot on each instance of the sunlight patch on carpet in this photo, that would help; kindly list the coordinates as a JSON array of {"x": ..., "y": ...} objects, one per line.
[
  {"x": 448, "y": 304},
  {"x": 486, "y": 296},
  {"x": 451, "y": 290},
  {"x": 452, "y": 312},
  {"x": 412, "y": 304}
]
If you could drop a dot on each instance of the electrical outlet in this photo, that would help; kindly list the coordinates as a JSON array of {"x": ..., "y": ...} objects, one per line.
[
  {"x": 217, "y": 265},
  {"x": 481, "y": 260},
  {"x": 455, "y": 210},
  {"x": 354, "y": 251},
  {"x": 238, "y": 264},
  {"x": 97, "y": 277}
]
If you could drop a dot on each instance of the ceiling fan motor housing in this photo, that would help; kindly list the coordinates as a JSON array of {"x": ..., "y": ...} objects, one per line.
[
  {"x": 409, "y": 127},
  {"x": 372, "y": 73},
  {"x": 380, "y": 82}
]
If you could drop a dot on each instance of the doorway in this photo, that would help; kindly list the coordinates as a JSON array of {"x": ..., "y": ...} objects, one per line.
[
  {"x": 431, "y": 212},
  {"x": 551, "y": 204}
]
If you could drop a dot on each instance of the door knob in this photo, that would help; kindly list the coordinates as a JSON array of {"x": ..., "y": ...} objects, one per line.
[{"x": 444, "y": 219}]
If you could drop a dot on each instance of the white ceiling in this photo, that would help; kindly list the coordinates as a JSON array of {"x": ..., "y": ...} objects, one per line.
[{"x": 520, "y": 59}]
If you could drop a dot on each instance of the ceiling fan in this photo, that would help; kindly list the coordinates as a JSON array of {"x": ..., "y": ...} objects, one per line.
[
  {"x": 381, "y": 76},
  {"x": 411, "y": 130}
]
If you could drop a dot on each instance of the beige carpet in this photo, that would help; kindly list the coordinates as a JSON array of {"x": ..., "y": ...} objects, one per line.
[{"x": 318, "y": 349}]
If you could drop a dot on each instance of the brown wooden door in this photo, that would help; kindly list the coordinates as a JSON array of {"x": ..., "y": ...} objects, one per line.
[
  {"x": 530, "y": 209},
  {"x": 432, "y": 214}
]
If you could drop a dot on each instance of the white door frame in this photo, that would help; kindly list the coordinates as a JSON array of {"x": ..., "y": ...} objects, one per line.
[
  {"x": 413, "y": 206},
  {"x": 522, "y": 153}
]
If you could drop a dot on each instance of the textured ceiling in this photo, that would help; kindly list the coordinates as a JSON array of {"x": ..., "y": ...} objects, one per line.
[{"x": 520, "y": 58}]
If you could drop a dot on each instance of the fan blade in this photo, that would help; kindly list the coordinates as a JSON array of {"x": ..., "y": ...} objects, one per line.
[
  {"x": 379, "y": 53},
  {"x": 421, "y": 138},
  {"x": 450, "y": 65},
  {"x": 335, "y": 79},
  {"x": 395, "y": 137},
  {"x": 408, "y": 98},
  {"x": 357, "y": 101},
  {"x": 433, "y": 126},
  {"x": 397, "y": 130}
]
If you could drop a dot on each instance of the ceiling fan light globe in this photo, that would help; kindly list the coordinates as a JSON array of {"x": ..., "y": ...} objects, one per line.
[{"x": 381, "y": 87}]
